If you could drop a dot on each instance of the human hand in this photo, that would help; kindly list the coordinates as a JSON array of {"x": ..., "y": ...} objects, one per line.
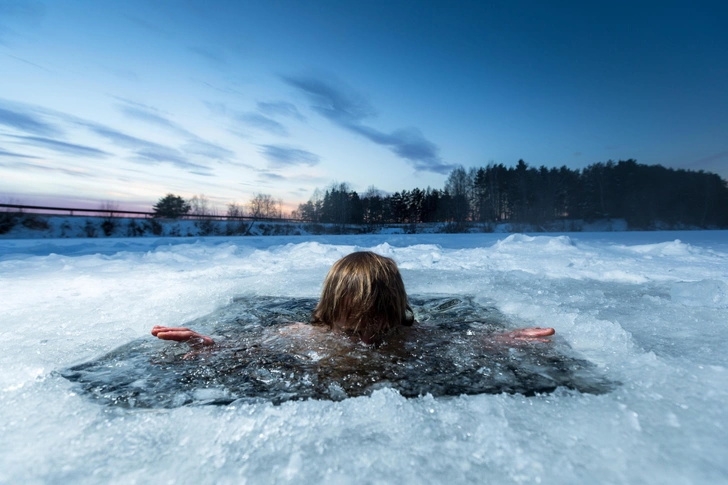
[
  {"x": 181, "y": 334},
  {"x": 534, "y": 334}
]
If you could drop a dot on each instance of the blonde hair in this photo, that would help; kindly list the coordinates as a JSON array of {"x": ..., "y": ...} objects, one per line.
[{"x": 365, "y": 292}]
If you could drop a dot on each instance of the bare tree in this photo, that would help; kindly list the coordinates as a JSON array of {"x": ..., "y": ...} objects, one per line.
[
  {"x": 235, "y": 223},
  {"x": 261, "y": 206},
  {"x": 200, "y": 206},
  {"x": 235, "y": 210},
  {"x": 458, "y": 185}
]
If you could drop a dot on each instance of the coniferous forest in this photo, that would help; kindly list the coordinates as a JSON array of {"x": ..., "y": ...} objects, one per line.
[{"x": 646, "y": 196}]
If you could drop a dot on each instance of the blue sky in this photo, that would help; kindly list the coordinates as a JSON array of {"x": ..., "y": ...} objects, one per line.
[{"x": 124, "y": 101}]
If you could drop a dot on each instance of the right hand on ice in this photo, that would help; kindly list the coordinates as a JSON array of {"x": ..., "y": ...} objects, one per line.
[{"x": 181, "y": 334}]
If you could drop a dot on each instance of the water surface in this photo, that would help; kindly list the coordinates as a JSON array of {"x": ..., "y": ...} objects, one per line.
[{"x": 453, "y": 349}]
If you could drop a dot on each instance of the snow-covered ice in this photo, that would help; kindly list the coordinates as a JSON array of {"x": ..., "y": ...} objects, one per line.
[{"x": 650, "y": 309}]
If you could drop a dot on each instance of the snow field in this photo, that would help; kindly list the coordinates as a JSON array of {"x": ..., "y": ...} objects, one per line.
[{"x": 648, "y": 308}]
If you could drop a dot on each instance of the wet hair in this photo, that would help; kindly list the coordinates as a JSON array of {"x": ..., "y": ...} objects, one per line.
[{"x": 364, "y": 291}]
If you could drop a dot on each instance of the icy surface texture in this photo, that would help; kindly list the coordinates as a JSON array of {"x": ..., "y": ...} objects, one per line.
[
  {"x": 453, "y": 350},
  {"x": 646, "y": 308}
]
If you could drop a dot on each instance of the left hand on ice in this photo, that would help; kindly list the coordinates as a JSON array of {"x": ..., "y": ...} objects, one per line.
[{"x": 531, "y": 334}]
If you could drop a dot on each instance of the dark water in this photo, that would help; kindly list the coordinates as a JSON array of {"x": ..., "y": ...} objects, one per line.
[{"x": 450, "y": 351}]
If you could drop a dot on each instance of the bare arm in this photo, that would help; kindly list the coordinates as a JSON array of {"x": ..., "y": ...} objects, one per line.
[
  {"x": 182, "y": 334},
  {"x": 530, "y": 333},
  {"x": 194, "y": 339},
  {"x": 534, "y": 334}
]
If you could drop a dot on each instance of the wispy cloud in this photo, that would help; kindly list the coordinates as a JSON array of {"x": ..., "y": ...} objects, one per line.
[
  {"x": 194, "y": 146},
  {"x": 161, "y": 154},
  {"x": 31, "y": 119},
  {"x": 264, "y": 123},
  {"x": 348, "y": 109},
  {"x": 29, "y": 63},
  {"x": 60, "y": 146},
  {"x": 410, "y": 144},
  {"x": 204, "y": 172},
  {"x": 280, "y": 156},
  {"x": 151, "y": 115},
  {"x": 281, "y": 108},
  {"x": 27, "y": 122},
  {"x": 215, "y": 59},
  {"x": 5, "y": 153},
  {"x": 118, "y": 138},
  {"x": 271, "y": 176},
  {"x": 339, "y": 103},
  {"x": 208, "y": 150},
  {"x": 226, "y": 90},
  {"x": 23, "y": 165},
  {"x": 262, "y": 119},
  {"x": 146, "y": 151},
  {"x": 716, "y": 163},
  {"x": 712, "y": 158}
]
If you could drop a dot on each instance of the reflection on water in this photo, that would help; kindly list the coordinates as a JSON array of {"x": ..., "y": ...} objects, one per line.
[{"x": 450, "y": 351}]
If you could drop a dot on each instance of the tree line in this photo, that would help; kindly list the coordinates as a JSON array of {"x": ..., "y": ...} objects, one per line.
[
  {"x": 260, "y": 206},
  {"x": 646, "y": 196}
]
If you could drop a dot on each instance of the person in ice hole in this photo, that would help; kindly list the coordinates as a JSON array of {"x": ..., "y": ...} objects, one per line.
[{"x": 363, "y": 297}]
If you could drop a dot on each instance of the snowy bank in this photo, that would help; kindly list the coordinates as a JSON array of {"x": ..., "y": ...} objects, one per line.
[
  {"x": 33, "y": 226},
  {"x": 649, "y": 308}
]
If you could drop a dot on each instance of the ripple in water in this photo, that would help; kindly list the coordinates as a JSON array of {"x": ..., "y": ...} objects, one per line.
[{"x": 450, "y": 351}]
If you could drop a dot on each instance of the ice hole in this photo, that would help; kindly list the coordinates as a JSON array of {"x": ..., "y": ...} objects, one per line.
[{"x": 449, "y": 353}]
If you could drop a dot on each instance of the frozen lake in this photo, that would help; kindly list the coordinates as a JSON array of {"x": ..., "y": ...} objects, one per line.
[{"x": 650, "y": 310}]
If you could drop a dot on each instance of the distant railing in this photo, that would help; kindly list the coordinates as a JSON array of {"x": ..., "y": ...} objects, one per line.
[
  {"x": 115, "y": 213},
  {"x": 39, "y": 209}
]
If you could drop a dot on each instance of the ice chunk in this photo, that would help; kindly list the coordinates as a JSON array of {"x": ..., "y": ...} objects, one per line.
[{"x": 704, "y": 293}]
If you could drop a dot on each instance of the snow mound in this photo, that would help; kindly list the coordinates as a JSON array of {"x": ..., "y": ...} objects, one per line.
[
  {"x": 672, "y": 248},
  {"x": 549, "y": 243}
]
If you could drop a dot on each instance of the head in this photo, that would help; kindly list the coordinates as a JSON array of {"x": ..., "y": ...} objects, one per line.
[{"x": 364, "y": 295}]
